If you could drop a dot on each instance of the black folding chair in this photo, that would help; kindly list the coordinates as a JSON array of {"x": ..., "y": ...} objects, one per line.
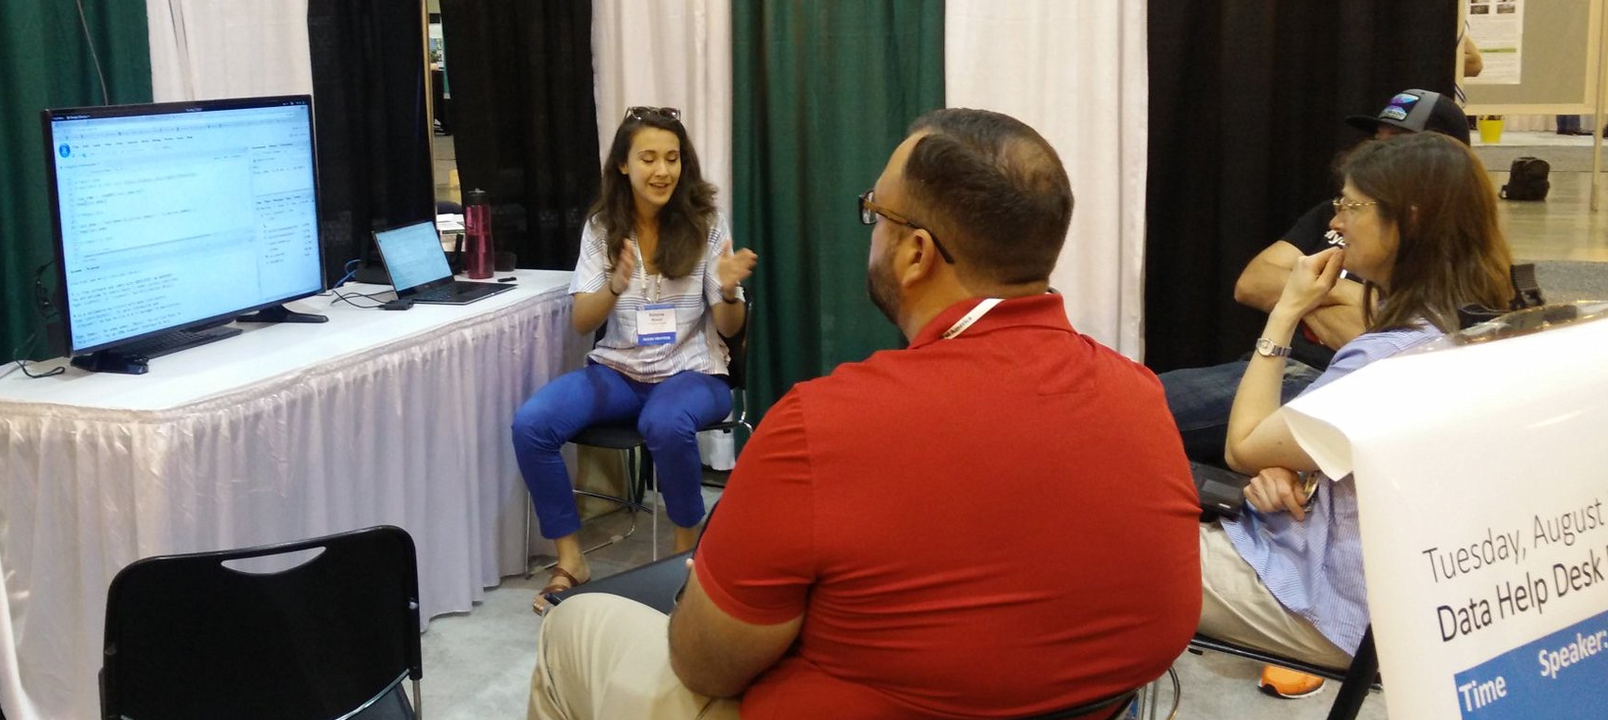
[{"x": 192, "y": 637}]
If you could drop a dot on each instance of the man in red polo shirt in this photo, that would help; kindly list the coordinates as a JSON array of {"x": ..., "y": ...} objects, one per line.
[{"x": 996, "y": 522}]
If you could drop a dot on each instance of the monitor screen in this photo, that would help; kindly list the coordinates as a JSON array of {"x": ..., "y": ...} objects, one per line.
[
  {"x": 178, "y": 215},
  {"x": 413, "y": 255}
]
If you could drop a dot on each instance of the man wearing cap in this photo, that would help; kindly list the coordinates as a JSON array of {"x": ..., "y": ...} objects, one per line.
[{"x": 1200, "y": 398}]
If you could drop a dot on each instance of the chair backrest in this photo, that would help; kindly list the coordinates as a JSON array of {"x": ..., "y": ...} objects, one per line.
[
  {"x": 189, "y": 637},
  {"x": 737, "y": 347}
]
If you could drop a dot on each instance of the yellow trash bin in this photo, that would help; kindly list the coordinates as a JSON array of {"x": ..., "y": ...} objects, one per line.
[{"x": 1490, "y": 130}]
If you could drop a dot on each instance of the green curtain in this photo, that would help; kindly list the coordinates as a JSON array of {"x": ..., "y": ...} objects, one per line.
[
  {"x": 45, "y": 62},
  {"x": 824, "y": 90}
]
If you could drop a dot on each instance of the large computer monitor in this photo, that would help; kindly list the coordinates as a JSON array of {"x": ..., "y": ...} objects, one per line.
[{"x": 173, "y": 219}]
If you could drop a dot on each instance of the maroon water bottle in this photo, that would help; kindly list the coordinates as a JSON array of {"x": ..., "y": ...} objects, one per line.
[{"x": 478, "y": 253}]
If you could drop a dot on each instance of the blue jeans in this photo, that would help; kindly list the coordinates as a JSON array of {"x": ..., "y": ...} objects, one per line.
[
  {"x": 1200, "y": 399},
  {"x": 667, "y": 413}
]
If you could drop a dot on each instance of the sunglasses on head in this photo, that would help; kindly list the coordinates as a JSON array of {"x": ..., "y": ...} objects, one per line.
[{"x": 640, "y": 112}]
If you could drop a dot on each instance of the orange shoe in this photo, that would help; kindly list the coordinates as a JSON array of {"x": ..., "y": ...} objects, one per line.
[{"x": 1284, "y": 683}]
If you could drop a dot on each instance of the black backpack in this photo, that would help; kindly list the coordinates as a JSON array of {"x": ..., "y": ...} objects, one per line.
[{"x": 1527, "y": 180}]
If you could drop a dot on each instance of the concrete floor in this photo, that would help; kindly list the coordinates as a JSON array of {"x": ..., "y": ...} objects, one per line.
[
  {"x": 1562, "y": 227},
  {"x": 477, "y": 665}
]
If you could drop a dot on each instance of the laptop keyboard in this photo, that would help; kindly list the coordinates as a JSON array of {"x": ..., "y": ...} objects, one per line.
[
  {"x": 458, "y": 291},
  {"x": 445, "y": 292}
]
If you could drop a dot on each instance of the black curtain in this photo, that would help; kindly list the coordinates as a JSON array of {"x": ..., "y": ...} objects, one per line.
[
  {"x": 1247, "y": 101},
  {"x": 525, "y": 120},
  {"x": 374, "y": 166}
]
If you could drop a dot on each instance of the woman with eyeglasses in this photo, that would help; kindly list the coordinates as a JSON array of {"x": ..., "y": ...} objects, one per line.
[
  {"x": 1418, "y": 218},
  {"x": 657, "y": 272}
]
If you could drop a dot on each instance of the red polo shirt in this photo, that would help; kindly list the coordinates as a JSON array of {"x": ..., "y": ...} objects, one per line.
[{"x": 996, "y": 525}]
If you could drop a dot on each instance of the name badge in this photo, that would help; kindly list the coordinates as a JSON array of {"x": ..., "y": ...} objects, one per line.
[{"x": 656, "y": 324}]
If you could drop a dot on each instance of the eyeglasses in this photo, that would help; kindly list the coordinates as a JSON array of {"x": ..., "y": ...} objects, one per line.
[
  {"x": 1342, "y": 205},
  {"x": 639, "y": 112},
  {"x": 868, "y": 216}
]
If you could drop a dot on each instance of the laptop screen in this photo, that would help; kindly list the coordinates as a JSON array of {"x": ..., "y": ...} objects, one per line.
[{"x": 413, "y": 255}]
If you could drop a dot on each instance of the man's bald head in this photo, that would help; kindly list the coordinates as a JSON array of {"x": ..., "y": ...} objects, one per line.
[{"x": 993, "y": 189}]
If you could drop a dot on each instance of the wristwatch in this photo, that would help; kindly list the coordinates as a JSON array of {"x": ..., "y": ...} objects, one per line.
[{"x": 1268, "y": 348}]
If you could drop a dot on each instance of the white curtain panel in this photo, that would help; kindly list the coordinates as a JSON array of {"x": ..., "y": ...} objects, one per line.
[
  {"x": 1077, "y": 73},
  {"x": 668, "y": 54},
  {"x": 14, "y": 701},
  {"x": 205, "y": 49},
  {"x": 671, "y": 54}
]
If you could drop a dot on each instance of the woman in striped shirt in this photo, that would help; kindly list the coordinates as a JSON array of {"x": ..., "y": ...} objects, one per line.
[{"x": 658, "y": 273}]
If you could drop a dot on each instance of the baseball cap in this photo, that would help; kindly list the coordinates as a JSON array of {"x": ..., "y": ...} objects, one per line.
[{"x": 1415, "y": 111}]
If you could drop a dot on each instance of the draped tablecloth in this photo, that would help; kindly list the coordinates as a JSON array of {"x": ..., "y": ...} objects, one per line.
[{"x": 282, "y": 433}]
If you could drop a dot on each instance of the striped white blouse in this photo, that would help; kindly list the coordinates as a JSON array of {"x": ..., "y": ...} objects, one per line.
[{"x": 697, "y": 346}]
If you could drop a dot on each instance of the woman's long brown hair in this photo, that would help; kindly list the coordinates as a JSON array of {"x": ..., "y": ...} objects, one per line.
[
  {"x": 684, "y": 222},
  {"x": 1451, "y": 250}
]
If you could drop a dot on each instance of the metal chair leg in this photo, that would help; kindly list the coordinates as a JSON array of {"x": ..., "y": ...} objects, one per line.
[
  {"x": 418, "y": 701},
  {"x": 1152, "y": 698},
  {"x": 624, "y": 504},
  {"x": 1359, "y": 676},
  {"x": 629, "y": 507},
  {"x": 525, "y": 548},
  {"x": 654, "y": 508},
  {"x": 634, "y": 489}
]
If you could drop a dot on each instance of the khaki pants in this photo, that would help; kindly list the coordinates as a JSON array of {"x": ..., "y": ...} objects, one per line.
[
  {"x": 603, "y": 656},
  {"x": 1237, "y": 607}
]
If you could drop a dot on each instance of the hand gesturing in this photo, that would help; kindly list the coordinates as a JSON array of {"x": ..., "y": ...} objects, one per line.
[
  {"x": 733, "y": 267},
  {"x": 624, "y": 268}
]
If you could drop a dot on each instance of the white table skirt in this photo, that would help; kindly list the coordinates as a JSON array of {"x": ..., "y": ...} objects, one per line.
[{"x": 283, "y": 433}]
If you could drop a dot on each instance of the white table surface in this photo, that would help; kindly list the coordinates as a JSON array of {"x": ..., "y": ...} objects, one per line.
[{"x": 281, "y": 433}]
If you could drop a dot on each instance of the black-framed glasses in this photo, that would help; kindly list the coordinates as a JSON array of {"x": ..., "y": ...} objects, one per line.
[
  {"x": 639, "y": 112},
  {"x": 869, "y": 211}
]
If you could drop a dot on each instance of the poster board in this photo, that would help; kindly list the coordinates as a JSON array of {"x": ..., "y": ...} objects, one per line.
[
  {"x": 1480, "y": 475},
  {"x": 1558, "y": 57}
]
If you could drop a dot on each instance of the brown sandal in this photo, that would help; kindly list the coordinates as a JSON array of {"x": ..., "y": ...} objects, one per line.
[{"x": 540, "y": 606}]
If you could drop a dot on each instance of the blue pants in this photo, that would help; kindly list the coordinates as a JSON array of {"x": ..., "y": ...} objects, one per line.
[
  {"x": 667, "y": 413},
  {"x": 1200, "y": 399}
]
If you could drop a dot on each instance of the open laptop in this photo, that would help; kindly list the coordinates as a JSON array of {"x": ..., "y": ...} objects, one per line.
[{"x": 418, "y": 267}]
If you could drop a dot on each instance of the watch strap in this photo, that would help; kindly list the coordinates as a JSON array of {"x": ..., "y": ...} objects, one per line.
[{"x": 1268, "y": 348}]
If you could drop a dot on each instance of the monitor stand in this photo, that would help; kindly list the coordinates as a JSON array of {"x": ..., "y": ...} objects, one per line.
[
  {"x": 134, "y": 358},
  {"x": 281, "y": 314},
  {"x": 113, "y": 362}
]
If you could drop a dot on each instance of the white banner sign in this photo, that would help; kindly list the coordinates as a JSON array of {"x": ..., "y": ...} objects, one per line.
[{"x": 1482, "y": 474}]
